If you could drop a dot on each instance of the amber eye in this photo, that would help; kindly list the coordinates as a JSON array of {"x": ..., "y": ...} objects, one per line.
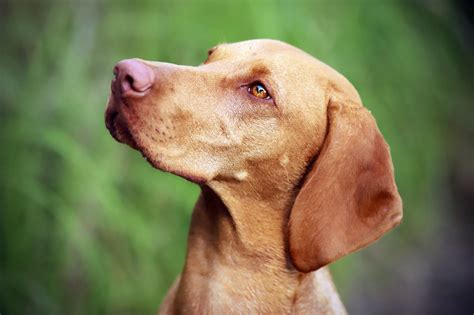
[{"x": 258, "y": 90}]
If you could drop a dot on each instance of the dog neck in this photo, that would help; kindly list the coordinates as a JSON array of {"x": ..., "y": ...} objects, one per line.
[
  {"x": 238, "y": 257},
  {"x": 237, "y": 248},
  {"x": 246, "y": 225}
]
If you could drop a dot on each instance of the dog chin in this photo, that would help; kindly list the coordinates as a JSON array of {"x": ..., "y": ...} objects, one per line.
[{"x": 160, "y": 165}]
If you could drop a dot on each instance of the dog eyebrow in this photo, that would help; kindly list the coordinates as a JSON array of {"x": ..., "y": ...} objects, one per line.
[
  {"x": 260, "y": 70},
  {"x": 255, "y": 72}
]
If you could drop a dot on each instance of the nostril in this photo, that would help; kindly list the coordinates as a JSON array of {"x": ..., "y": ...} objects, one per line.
[
  {"x": 129, "y": 79},
  {"x": 133, "y": 76},
  {"x": 127, "y": 83}
]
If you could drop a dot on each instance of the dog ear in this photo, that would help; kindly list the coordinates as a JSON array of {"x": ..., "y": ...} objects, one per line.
[{"x": 349, "y": 198}]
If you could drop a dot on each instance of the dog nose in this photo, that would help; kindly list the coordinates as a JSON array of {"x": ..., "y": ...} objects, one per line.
[{"x": 132, "y": 78}]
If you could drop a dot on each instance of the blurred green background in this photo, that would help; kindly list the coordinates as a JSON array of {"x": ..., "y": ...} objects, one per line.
[{"x": 88, "y": 227}]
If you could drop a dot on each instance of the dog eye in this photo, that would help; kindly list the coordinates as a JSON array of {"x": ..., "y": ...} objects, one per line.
[{"x": 258, "y": 90}]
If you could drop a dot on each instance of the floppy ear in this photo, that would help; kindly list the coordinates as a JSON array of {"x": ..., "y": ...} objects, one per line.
[{"x": 349, "y": 198}]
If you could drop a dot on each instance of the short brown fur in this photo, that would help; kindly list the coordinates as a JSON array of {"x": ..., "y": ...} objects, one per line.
[{"x": 288, "y": 184}]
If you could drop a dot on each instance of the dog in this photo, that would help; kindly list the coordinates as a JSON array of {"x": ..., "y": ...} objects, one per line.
[{"x": 293, "y": 170}]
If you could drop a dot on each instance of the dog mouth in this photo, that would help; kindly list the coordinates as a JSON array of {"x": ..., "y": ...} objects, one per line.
[{"x": 118, "y": 127}]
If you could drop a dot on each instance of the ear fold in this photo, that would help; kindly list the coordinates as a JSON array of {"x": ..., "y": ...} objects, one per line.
[{"x": 349, "y": 198}]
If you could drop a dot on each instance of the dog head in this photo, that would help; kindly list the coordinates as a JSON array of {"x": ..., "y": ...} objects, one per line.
[{"x": 267, "y": 115}]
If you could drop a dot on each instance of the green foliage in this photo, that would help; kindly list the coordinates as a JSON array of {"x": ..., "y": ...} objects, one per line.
[{"x": 87, "y": 226}]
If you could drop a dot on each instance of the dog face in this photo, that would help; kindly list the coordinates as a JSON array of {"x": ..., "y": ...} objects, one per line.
[
  {"x": 253, "y": 117},
  {"x": 250, "y": 104}
]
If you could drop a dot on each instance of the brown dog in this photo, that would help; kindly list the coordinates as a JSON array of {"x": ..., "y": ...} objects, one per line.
[{"x": 293, "y": 169}]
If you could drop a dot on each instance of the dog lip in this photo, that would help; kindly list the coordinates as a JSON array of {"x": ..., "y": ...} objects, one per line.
[
  {"x": 113, "y": 85},
  {"x": 123, "y": 133},
  {"x": 117, "y": 126},
  {"x": 110, "y": 122}
]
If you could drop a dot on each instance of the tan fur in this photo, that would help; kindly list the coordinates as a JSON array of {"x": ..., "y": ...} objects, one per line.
[{"x": 251, "y": 157}]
